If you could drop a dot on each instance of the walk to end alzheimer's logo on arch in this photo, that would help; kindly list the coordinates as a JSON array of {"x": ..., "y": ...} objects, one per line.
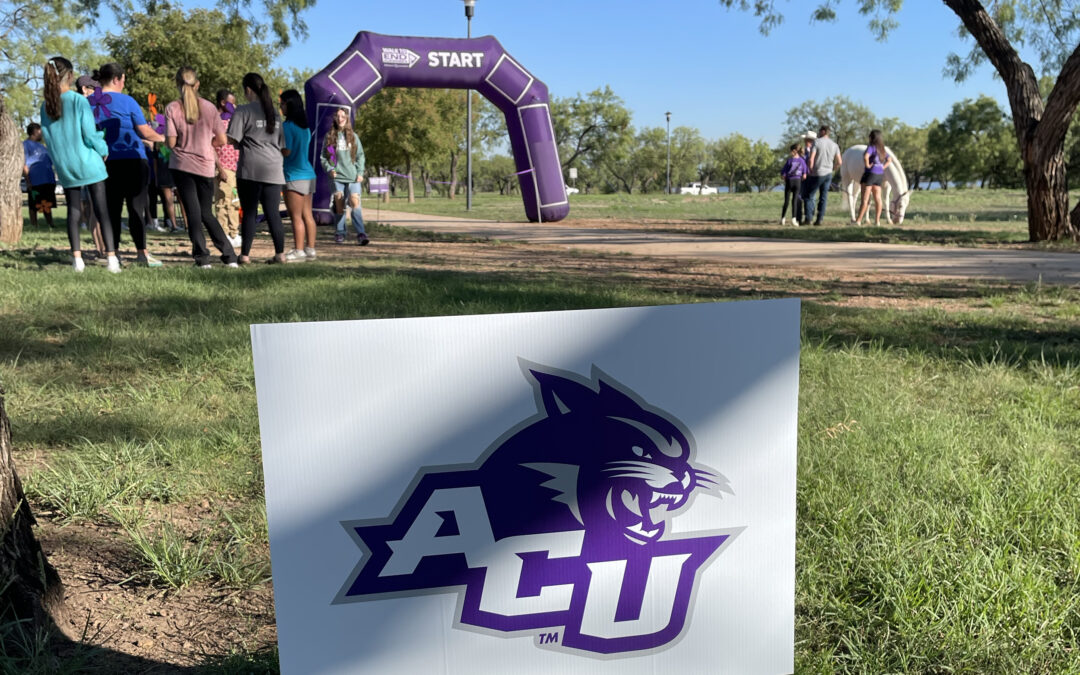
[{"x": 597, "y": 491}]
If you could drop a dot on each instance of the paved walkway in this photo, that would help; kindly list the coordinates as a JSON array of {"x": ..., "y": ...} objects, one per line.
[{"x": 935, "y": 261}]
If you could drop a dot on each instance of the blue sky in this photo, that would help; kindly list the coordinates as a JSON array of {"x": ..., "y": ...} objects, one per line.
[{"x": 709, "y": 66}]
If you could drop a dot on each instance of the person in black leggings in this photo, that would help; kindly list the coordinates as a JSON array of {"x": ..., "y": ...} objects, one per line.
[
  {"x": 256, "y": 129},
  {"x": 125, "y": 127},
  {"x": 193, "y": 128},
  {"x": 77, "y": 150},
  {"x": 97, "y": 202}
]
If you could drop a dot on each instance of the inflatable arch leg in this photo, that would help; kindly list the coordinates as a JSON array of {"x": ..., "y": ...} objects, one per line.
[{"x": 375, "y": 61}]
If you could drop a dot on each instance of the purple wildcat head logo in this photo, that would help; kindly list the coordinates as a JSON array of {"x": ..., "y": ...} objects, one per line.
[{"x": 560, "y": 530}]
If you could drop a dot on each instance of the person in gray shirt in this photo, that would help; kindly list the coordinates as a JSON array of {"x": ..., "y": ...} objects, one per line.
[
  {"x": 256, "y": 129},
  {"x": 824, "y": 160}
]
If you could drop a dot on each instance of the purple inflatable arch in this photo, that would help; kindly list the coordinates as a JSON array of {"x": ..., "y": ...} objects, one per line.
[{"x": 375, "y": 61}]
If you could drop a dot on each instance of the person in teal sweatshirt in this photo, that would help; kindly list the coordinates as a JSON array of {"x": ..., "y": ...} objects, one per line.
[
  {"x": 343, "y": 160},
  {"x": 78, "y": 152}
]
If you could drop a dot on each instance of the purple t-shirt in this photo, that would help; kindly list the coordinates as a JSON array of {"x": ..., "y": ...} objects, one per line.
[
  {"x": 877, "y": 163},
  {"x": 794, "y": 167}
]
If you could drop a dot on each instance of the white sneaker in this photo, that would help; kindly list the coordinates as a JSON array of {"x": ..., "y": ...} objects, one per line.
[
  {"x": 232, "y": 264},
  {"x": 783, "y": 221},
  {"x": 78, "y": 265},
  {"x": 205, "y": 267},
  {"x": 114, "y": 264},
  {"x": 309, "y": 252},
  {"x": 295, "y": 256},
  {"x": 147, "y": 260}
]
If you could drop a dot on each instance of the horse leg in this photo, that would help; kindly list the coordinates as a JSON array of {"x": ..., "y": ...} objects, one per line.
[{"x": 888, "y": 202}]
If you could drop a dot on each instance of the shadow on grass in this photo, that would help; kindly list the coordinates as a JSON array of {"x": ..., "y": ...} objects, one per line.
[
  {"x": 201, "y": 325},
  {"x": 869, "y": 234}
]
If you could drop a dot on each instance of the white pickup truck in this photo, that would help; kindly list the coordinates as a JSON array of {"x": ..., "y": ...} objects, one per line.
[{"x": 697, "y": 189}]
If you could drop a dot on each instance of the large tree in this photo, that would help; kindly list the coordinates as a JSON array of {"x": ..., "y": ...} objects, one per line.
[
  {"x": 588, "y": 128},
  {"x": 687, "y": 156},
  {"x": 911, "y": 145},
  {"x": 730, "y": 159},
  {"x": 850, "y": 122},
  {"x": 152, "y": 46},
  {"x": 1051, "y": 28},
  {"x": 972, "y": 143},
  {"x": 410, "y": 130}
]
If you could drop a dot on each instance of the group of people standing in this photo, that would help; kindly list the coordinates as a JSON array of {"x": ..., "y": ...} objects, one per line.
[
  {"x": 810, "y": 168},
  {"x": 97, "y": 143}
]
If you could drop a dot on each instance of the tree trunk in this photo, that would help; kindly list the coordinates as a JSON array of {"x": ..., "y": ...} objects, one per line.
[
  {"x": 1048, "y": 199},
  {"x": 1040, "y": 129},
  {"x": 11, "y": 164},
  {"x": 409, "y": 180},
  {"x": 33, "y": 592},
  {"x": 453, "y": 175}
]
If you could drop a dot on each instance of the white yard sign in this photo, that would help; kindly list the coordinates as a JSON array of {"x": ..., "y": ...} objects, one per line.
[{"x": 601, "y": 491}]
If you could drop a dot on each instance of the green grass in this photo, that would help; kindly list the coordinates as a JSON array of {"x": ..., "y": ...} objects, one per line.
[{"x": 939, "y": 471}]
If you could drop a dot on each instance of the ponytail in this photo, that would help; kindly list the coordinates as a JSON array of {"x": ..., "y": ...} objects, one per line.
[
  {"x": 186, "y": 81},
  {"x": 255, "y": 83},
  {"x": 57, "y": 72}
]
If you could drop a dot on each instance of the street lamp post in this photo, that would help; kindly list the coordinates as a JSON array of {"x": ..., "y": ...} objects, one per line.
[
  {"x": 668, "y": 115},
  {"x": 470, "y": 7}
]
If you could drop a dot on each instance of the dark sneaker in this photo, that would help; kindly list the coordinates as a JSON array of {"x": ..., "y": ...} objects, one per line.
[
  {"x": 339, "y": 239},
  {"x": 362, "y": 240}
]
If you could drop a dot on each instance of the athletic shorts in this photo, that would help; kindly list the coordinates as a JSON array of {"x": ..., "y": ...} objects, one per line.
[
  {"x": 871, "y": 179},
  {"x": 42, "y": 193},
  {"x": 303, "y": 187}
]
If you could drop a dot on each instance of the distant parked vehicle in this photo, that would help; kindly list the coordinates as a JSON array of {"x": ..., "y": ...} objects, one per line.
[
  {"x": 697, "y": 189},
  {"x": 572, "y": 191}
]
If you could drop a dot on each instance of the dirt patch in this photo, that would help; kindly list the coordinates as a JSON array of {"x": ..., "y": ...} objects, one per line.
[{"x": 112, "y": 609}]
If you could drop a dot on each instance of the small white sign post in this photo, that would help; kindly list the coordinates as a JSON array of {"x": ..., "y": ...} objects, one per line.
[{"x": 581, "y": 492}]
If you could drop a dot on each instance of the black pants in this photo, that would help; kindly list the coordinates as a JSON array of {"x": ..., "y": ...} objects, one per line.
[
  {"x": 793, "y": 193},
  {"x": 197, "y": 195},
  {"x": 98, "y": 202},
  {"x": 155, "y": 193},
  {"x": 127, "y": 184},
  {"x": 253, "y": 194}
]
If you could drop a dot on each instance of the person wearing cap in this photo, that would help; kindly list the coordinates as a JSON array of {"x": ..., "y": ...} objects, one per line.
[
  {"x": 824, "y": 160},
  {"x": 86, "y": 85}
]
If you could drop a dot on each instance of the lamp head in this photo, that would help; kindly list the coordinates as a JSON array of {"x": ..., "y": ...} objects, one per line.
[
  {"x": 470, "y": 7},
  {"x": 668, "y": 116}
]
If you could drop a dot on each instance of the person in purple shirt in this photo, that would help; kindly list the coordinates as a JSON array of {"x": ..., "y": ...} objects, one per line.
[
  {"x": 875, "y": 161},
  {"x": 793, "y": 173},
  {"x": 40, "y": 179}
]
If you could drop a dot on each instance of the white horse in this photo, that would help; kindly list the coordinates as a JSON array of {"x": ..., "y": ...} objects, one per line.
[{"x": 851, "y": 171}]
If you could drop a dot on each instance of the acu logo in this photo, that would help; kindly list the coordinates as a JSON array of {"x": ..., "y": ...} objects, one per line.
[{"x": 559, "y": 531}]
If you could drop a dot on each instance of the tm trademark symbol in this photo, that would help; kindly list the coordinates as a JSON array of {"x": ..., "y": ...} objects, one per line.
[{"x": 548, "y": 638}]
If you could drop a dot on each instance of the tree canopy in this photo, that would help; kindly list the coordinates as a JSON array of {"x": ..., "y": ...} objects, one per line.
[
  {"x": 30, "y": 34},
  {"x": 152, "y": 47}
]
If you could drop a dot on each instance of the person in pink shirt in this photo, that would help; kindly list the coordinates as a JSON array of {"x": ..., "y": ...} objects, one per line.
[{"x": 193, "y": 128}]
